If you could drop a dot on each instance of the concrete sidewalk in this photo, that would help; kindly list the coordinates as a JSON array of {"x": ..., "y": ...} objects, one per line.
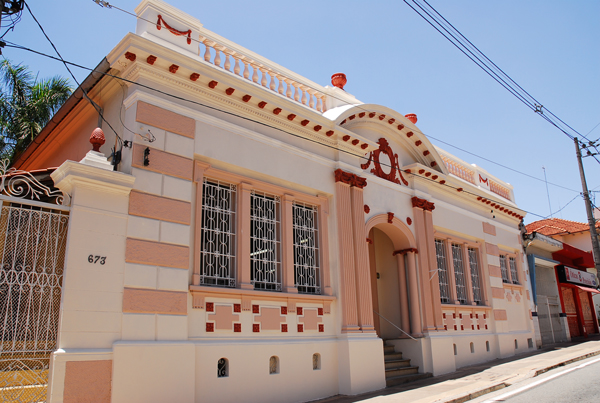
[{"x": 474, "y": 381}]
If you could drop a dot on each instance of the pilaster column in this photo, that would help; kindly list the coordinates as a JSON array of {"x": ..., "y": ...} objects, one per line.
[
  {"x": 361, "y": 260},
  {"x": 434, "y": 278},
  {"x": 287, "y": 239},
  {"x": 243, "y": 237},
  {"x": 419, "y": 205},
  {"x": 348, "y": 281},
  {"x": 404, "y": 315},
  {"x": 199, "y": 170},
  {"x": 415, "y": 316}
]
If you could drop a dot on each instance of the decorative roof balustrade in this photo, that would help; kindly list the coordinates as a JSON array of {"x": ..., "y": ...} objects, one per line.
[
  {"x": 160, "y": 20},
  {"x": 476, "y": 176},
  {"x": 259, "y": 70},
  {"x": 459, "y": 170},
  {"x": 499, "y": 189}
]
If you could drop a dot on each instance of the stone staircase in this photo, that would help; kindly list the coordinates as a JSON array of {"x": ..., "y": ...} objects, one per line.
[{"x": 399, "y": 370}]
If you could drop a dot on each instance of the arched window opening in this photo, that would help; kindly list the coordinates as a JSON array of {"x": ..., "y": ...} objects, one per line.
[
  {"x": 223, "y": 368},
  {"x": 316, "y": 361},
  {"x": 274, "y": 365}
]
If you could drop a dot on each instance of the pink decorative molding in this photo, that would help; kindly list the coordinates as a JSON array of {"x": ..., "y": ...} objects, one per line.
[
  {"x": 422, "y": 204},
  {"x": 405, "y": 251},
  {"x": 395, "y": 174},
  {"x": 350, "y": 179},
  {"x": 310, "y": 319},
  {"x": 164, "y": 119},
  {"x": 84, "y": 379},
  {"x": 174, "y": 31}
]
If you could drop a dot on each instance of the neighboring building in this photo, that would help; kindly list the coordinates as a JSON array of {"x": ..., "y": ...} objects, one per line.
[
  {"x": 574, "y": 233},
  {"x": 577, "y": 235},
  {"x": 562, "y": 288},
  {"x": 261, "y": 234}
]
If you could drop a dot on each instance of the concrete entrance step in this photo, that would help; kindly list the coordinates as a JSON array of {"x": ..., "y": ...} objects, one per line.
[
  {"x": 401, "y": 379},
  {"x": 393, "y": 364}
]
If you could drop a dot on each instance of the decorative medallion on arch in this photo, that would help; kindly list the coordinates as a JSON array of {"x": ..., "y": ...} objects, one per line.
[{"x": 377, "y": 170}]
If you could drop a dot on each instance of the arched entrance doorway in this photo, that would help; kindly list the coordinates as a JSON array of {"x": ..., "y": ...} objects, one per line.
[{"x": 392, "y": 261}]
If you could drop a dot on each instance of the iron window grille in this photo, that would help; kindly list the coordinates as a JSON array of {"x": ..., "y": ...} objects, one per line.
[
  {"x": 442, "y": 266},
  {"x": 218, "y": 239},
  {"x": 475, "y": 275},
  {"x": 265, "y": 248},
  {"x": 306, "y": 250},
  {"x": 513, "y": 270},
  {"x": 459, "y": 273},
  {"x": 504, "y": 269}
]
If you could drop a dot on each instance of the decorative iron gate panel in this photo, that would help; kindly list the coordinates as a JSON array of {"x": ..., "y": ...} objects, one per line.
[{"x": 33, "y": 236}]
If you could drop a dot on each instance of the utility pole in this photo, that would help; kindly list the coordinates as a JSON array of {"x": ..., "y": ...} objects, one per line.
[{"x": 588, "y": 208}]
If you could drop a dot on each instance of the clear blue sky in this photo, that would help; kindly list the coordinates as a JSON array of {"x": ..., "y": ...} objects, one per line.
[{"x": 393, "y": 57}]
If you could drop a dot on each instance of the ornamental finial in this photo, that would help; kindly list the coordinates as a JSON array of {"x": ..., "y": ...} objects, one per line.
[
  {"x": 412, "y": 117},
  {"x": 97, "y": 139},
  {"x": 339, "y": 80}
]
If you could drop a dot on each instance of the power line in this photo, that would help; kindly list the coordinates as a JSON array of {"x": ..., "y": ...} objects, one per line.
[
  {"x": 502, "y": 78},
  {"x": 358, "y": 106},
  {"x": 500, "y": 203},
  {"x": 96, "y": 106},
  {"x": 493, "y": 70}
]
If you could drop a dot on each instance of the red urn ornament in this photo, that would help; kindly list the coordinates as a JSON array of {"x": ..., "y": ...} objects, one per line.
[
  {"x": 339, "y": 80},
  {"x": 412, "y": 117},
  {"x": 97, "y": 139}
]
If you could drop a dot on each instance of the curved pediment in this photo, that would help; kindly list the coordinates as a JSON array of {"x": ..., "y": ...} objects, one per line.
[{"x": 399, "y": 139}]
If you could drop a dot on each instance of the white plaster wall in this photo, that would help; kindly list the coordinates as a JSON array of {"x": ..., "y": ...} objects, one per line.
[
  {"x": 249, "y": 379},
  {"x": 153, "y": 372}
]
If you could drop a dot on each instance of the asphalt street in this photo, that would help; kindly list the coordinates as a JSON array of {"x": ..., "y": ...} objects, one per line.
[{"x": 577, "y": 382}]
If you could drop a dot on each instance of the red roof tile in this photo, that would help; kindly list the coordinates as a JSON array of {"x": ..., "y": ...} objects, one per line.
[{"x": 557, "y": 226}]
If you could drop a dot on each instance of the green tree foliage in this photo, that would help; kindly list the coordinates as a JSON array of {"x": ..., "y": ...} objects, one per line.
[{"x": 26, "y": 105}]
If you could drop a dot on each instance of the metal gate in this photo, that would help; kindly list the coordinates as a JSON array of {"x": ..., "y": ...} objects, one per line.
[{"x": 33, "y": 235}]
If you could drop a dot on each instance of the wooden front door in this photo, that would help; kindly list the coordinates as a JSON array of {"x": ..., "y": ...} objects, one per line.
[
  {"x": 588, "y": 312},
  {"x": 571, "y": 311}
]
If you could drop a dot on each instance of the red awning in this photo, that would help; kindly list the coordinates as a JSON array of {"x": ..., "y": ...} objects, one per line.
[
  {"x": 588, "y": 289},
  {"x": 575, "y": 257}
]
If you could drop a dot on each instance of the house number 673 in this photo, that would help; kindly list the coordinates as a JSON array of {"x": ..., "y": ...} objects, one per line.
[{"x": 96, "y": 259}]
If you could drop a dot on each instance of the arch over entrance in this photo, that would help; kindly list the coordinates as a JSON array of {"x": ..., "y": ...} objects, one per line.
[{"x": 392, "y": 249}]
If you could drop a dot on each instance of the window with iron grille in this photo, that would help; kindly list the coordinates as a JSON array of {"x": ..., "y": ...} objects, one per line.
[
  {"x": 306, "y": 250},
  {"x": 513, "y": 270},
  {"x": 504, "y": 269},
  {"x": 265, "y": 252},
  {"x": 217, "y": 253},
  {"x": 475, "y": 276},
  {"x": 442, "y": 266},
  {"x": 459, "y": 273}
]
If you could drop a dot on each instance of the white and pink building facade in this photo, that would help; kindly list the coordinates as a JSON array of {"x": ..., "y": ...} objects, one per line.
[{"x": 262, "y": 235}]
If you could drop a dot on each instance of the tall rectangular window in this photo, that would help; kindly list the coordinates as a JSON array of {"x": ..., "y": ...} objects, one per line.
[
  {"x": 442, "y": 266},
  {"x": 513, "y": 270},
  {"x": 265, "y": 251},
  {"x": 504, "y": 269},
  {"x": 459, "y": 273},
  {"x": 217, "y": 252},
  {"x": 306, "y": 249},
  {"x": 475, "y": 276}
]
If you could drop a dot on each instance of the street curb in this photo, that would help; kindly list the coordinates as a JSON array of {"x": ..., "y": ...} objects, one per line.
[
  {"x": 474, "y": 395},
  {"x": 562, "y": 364},
  {"x": 490, "y": 389}
]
